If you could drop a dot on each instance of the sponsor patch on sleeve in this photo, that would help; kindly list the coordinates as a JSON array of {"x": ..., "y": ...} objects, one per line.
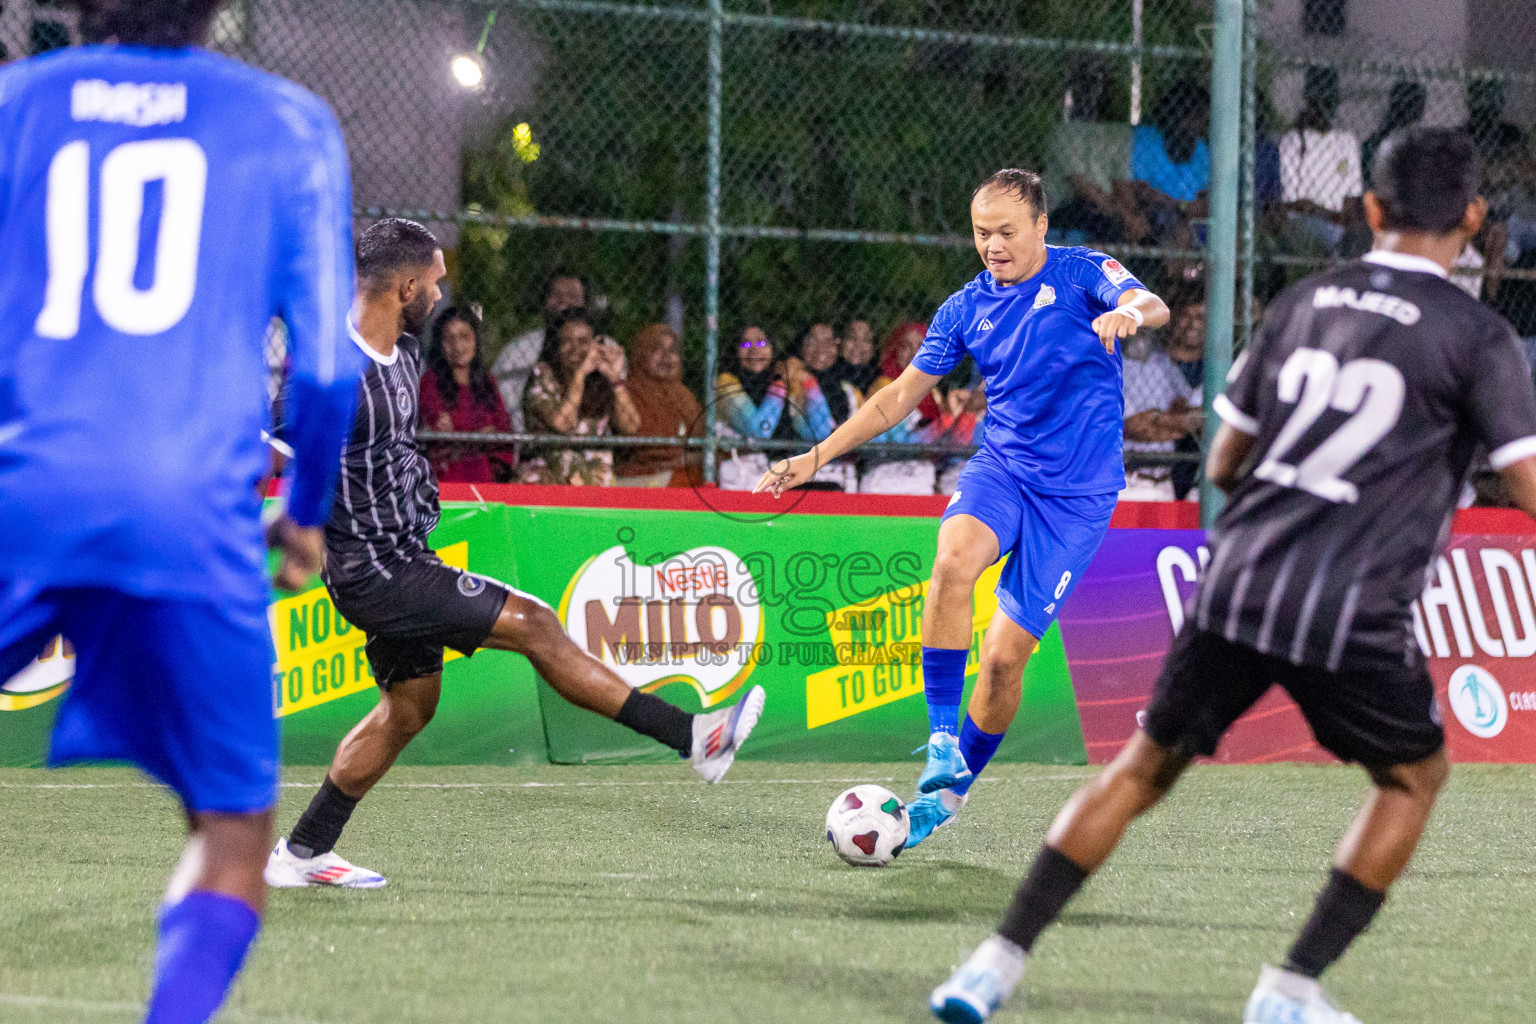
[{"x": 1116, "y": 273}]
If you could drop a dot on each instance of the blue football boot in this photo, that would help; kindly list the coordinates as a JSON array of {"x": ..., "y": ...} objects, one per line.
[
  {"x": 931, "y": 811},
  {"x": 946, "y": 765}
]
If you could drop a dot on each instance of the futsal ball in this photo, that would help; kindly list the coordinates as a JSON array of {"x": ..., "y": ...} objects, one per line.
[{"x": 867, "y": 826}]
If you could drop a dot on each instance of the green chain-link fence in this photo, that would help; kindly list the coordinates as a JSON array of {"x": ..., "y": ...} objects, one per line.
[
  {"x": 1333, "y": 80},
  {"x": 718, "y": 164}
]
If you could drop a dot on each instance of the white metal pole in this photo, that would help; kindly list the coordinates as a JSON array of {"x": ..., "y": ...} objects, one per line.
[{"x": 1138, "y": 10}]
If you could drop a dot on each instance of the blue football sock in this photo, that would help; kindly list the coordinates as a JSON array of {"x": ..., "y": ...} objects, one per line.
[
  {"x": 977, "y": 747},
  {"x": 943, "y": 683},
  {"x": 203, "y": 942}
]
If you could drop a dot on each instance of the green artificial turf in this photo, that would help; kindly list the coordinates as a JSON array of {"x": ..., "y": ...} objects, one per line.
[{"x": 639, "y": 895}]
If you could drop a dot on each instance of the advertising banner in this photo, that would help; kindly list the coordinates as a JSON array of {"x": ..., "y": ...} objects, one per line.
[
  {"x": 322, "y": 686},
  {"x": 1475, "y": 623},
  {"x": 823, "y": 611}
]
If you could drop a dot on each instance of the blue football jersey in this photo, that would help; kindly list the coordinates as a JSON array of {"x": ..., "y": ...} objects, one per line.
[
  {"x": 158, "y": 207},
  {"x": 1055, "y": 412}
]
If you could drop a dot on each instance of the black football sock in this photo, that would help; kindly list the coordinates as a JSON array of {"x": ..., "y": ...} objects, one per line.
[
  {"x": 1051, "y": 882},
  {"x": 1344, "y": 909},
  {"x": 651, "y": 716},
  {"x": 322, "y": 821}
]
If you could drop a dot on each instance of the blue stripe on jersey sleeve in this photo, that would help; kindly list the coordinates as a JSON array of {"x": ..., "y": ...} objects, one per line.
[
  {"x": 1103, "y": 278},
  {"x": 944, "y": 346}
]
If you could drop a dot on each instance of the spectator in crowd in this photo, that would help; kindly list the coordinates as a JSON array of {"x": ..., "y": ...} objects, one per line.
[
  {"x": 1405, "y": 108},
  {"x": 1510, "y": 187},
  {"x": 903, "y": 476},
  {"x": 666, "y": 407},
  {"x": 896, "y": 355},
  {"x": 856, "y": 362},
  {"x": 759, "y": 397},
  {"x": 578, "y": 388},
  {"x": 821, "y": 399},
  {"x": 1171, "y": 163},
  {"x": 962, "y": 406},
  {"x": 1320, "y": 176},
  {"x": 1267, "y": 189},
  {"x": 513, "y": 366},
  {"x": 459, "y": 396},
  {"x": 750, "y": 396},
  {"x": 1485, "y": 117},
  {"x": 1162, "y": 387},
  {"x": 1088, "y": 164}
]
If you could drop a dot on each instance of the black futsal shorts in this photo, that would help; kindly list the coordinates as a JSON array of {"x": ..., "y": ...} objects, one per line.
[
  {"x": 1376, "y": 718},
  {"x": 422, "y": 606}
]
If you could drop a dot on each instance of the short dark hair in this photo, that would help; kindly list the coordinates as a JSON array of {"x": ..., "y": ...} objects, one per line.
[
  {"x": 561, "y": 273},
  {"x": 1025, "y": 185},
  {"x": 393, "y": 245},
  {"x": 1425, "y": 178},
  {"x": 172, "y": 23}
]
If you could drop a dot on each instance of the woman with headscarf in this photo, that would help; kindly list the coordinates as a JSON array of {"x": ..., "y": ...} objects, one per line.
[
  {"x": 749, "y": 396},
  {"x": 759, "y": 398},
  {"x": 459, "y": 395},
  {"x": 902, "y": 476},
  {"x": 666, "y": 407}
]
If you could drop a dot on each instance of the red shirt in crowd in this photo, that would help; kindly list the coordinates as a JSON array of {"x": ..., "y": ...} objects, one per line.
[{"x": 459, "y": 463}]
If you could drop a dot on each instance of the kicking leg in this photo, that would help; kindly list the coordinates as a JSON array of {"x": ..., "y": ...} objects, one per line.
[
  {"x": 967, "y": 546},
  {"x": 1373, "y": 854},
  {"x": 999, "y": 687},
  {"x": 210, "y": 917},
  {"x": 710, "y": 741},
  {"x": 1082, "y": 837},
  {"x": 306, "y": 857},
  {"x": 994, "y": 702}
]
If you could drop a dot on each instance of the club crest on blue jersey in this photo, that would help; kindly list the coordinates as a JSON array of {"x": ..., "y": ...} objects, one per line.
[
  {"x": 1046, "y": 296},
  {"x": 403, "y": 400}
]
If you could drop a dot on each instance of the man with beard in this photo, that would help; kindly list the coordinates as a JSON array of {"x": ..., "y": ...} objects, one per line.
[{"x": 385, "y": 580}]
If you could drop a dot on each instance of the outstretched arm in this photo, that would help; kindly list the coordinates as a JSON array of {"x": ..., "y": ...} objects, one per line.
[
  {"x": 314, "y": 291},
  {"x": 889, "y": 407},
  {"x": 1137, "y": 308}
]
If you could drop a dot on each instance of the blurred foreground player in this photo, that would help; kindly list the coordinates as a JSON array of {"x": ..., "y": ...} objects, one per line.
[
  {"x": 159, "y": 204},
  {"x": 385, "y": 580},
  {"x": 1042, "y": 323},
  {"x": 1348, "y": 429}
]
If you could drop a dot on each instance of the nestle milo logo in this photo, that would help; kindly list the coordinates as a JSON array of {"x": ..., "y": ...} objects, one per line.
[{"x": 678, "y": 621}]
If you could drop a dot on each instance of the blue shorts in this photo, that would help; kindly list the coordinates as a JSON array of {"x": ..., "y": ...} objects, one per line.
[
  {"x": 183, "y": 689},
  {"x": 1050, "y": 539}
]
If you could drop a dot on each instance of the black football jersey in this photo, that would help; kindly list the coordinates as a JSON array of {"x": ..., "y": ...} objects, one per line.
[
  {"x": 1368, "y": 391},
  {"x": 386, "y": 499}
]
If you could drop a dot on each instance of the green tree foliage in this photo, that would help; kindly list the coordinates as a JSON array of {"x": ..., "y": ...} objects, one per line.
[{"x": 821, "y": 129}]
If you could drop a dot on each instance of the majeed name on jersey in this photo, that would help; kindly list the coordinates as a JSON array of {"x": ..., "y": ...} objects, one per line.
[
  {"x": 130, "y": 103},
  {"x": 1333, "y": 296}
]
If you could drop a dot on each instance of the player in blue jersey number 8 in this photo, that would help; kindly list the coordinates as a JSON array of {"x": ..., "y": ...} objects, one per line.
[{"x": 1043, "y": 325}]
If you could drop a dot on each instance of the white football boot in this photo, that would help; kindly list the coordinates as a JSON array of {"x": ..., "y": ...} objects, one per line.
[
  {"x": 285, "y": 871},
  {"x": 717, "y": 736},
  {"x": 981, "y": 985},
  {"x": 1285, "y": 997}
]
